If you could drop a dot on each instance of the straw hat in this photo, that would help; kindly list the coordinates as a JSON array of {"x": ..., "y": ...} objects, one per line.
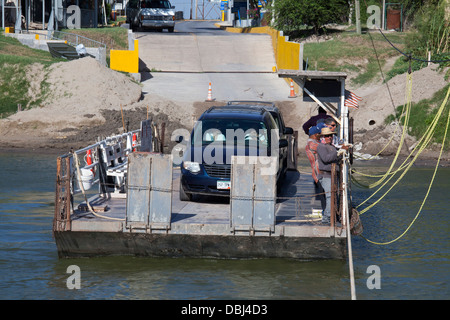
[{"x": 326, "y": 131}]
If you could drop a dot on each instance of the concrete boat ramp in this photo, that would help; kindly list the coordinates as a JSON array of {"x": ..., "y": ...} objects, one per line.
[{"x": 210, "y": 227}]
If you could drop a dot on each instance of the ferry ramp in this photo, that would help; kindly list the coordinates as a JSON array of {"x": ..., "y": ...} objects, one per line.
[{"x": 181, "y": 65}]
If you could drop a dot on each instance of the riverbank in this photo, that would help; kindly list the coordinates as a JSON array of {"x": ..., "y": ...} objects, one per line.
[{"x": 89, "y": 101}]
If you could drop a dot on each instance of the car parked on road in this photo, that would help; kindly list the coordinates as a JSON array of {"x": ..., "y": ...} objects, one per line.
[
  {"x": 219, "y": 133},
  {"x": 151, "y": 14}
]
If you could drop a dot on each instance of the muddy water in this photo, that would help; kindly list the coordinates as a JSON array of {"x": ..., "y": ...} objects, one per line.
[{"x": 416, "y": 267}]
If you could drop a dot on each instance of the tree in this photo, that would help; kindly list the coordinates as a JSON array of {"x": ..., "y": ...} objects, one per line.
[
  {"x": 431, "y": 30},
  {"x": 290, "y": 15}
]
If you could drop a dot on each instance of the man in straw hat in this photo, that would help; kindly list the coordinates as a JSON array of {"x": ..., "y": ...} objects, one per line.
[{"x": 326, "y": 156}]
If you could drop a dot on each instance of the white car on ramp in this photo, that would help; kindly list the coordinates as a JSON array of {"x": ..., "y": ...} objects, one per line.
[{"x": 151, "y": 14}]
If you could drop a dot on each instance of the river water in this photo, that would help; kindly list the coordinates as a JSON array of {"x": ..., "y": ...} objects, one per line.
[{"x": 415, "y": 267}]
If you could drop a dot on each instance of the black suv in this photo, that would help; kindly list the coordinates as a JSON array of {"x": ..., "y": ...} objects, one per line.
[
  {"x": 274, "y": 111},
  {"x": 220, "y": 132}
]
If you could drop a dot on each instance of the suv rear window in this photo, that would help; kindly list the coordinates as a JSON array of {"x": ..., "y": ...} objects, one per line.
[{"x": 243, "y": 132}]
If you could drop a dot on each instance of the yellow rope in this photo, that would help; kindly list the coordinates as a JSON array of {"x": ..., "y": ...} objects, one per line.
[
  {"x": 431, "y": 182},
  {"x": 427, "y": 139},
  {"x": 407, "y": 113}
]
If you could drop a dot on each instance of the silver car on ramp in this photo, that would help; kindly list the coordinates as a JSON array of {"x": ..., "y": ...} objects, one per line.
[{"x": 151, "y": 14}]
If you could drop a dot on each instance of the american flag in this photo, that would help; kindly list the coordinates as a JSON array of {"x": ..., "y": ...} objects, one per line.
[{"x": 351, "y": 100}]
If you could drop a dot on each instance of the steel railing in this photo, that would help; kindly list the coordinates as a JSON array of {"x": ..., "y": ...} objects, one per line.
[{"x": 75, "y": 39}]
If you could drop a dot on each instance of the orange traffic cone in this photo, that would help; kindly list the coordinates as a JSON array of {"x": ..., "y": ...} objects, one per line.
[
  {"x": 209, "y": 94},
  {"x": 292, "y": 93}
]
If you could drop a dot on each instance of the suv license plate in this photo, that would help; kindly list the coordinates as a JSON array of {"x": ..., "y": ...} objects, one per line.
[{"x": 223, "y": 185}]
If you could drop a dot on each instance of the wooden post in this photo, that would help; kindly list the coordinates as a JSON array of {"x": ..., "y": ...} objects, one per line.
[
  {"x": 57, "y": 195},
  {"x": 333, "y": 195},
  {"x": 61, "y": 220},
  {"x": 163, "y": 129},
  {"x": 358, "y": 17},
  {"x": 342, "y": 193},
  {"x": 67, "y": 196}
]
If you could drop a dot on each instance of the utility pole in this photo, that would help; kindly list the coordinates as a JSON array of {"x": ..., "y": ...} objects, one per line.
[
  {"x": 358, "y": 17},
  {"x": 3, "y": 14}
]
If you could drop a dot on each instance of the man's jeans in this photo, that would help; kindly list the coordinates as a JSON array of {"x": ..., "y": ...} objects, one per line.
[{"x": 325, "y": 182}]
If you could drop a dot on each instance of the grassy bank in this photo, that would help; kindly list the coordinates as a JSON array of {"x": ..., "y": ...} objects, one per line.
[
  {"x": 363, "y": 55},
  {"x": 422, "y": 115},
  {"x": 113, "y": 37},
  {"x": 15, "y": 60},
  {"x": 353, "y": 53}
]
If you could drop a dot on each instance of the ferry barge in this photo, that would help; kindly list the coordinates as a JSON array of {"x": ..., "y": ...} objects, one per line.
[{"x": 119, "y": 196}]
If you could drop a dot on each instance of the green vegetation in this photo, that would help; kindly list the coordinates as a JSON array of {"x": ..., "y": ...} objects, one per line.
[
  {"x": 427, "y": 32},
  {"x": 432, "y": 30},
  {"x": 15, "y": 58},
  {"x": 349, "y": 52},
  {"x": 292, "y": 14},
  {"x": 366, "y": 50},
  {"x": 423, "y": 113},
  {"x": 431, "y": 34},
  {"x": 401, "y": 66},
  {"x": 112, "y": 37}
]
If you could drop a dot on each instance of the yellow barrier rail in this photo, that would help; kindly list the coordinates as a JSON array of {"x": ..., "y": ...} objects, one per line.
[{"x": 287, "y": 53}]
